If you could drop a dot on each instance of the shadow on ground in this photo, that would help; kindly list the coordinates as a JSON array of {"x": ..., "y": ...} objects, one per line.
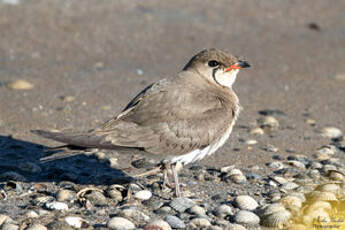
[{"x": 20, "y": 161}]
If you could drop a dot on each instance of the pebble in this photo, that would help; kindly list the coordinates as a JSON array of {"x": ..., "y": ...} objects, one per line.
[
  {"x": 36, "y": 227},
  {"x": 257, "y": 131},
  {"x": 120, "y": 223},
  {"x": 76, "y": 222},
  {"x": 197, "y": 210},
  {"x": 297, "y": 164},
  {"x": 289, "y": 186},
  {"x": 181, "y": 204},
  {"x": 331, "y": 132},
  {"x": 339, "y": 77},
  {"x": 65, "y": 195},
  {"x": 56, "y": 205},
  {"x": 20, "y": 85},
  {"x": 97, "y": 198},
  {"x": 223, "y": 210},
  {"x": 175, "y": 222},
  {"x": 268, "y": 122},
  {"x": 199, "y": 223},
  {"x": 5, "y": 219},
  {"x": 31, "y": 214},
  {"x": 163, "y": 225},
  {"x": 251, "y": 142},
  {"x": 134, "y": 214},
  {"x": 9, "y": 226},
  {"x": 235, "y": 227},
  {"x": 276, "y": 165},
  {"x": 270, "y": 148},
  {"x": 246, "y": 217},
  {"x": 245, "y": 202},
  {"x": 328, "y": 149},
  {"x": 143, "y": 195},
  {"x": 163, "y": 210}
]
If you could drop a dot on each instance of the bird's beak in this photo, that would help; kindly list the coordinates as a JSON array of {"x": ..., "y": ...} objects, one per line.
[{"x": 238, "y": 65}]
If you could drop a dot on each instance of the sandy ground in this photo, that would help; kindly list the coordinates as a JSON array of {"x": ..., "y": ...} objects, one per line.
[{"x": 102, "y": 53}]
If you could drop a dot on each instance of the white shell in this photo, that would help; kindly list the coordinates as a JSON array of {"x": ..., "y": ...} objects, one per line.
[
  {"x": 55, "y": 205},
  {"x": 276, "y": 219},
  {"x": 143, "y": 195},
  {"x": 246, "y": 202}
]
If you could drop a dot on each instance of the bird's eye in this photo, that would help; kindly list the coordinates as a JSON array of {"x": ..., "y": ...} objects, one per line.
[{"x": 213, "y": 63}]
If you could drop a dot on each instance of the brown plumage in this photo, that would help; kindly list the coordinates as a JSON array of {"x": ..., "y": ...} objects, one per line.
[{"x": 175, "y": 116}]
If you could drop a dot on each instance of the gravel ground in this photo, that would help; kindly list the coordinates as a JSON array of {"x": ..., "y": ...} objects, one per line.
[{"x": 75, "y": 64}]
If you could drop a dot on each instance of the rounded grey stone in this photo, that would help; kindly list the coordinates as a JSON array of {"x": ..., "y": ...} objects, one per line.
[
  {"x": 120, "y": 223},
  {"x": 175, "y": 222}
]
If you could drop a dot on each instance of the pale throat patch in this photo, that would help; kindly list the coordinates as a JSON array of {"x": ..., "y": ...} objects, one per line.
[{"x": 226, "y": 78}]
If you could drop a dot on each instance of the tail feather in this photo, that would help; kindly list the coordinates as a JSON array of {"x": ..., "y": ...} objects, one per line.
[{"x": 75, "y": 139}]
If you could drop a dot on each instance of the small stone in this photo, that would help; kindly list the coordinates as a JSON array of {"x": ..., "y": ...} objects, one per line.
[
  {"x": 65, "y": 195},
  {"x": 289, "y": 186},
  {"x": 76, "y": 222},
  {"x": 9, "y": 226},
  {"x": 223, "y": 210},
  {"x": 246, "y": 217},
  {"x": 268, "y": 122},
  {"x": 113, "y": 162},
  {"x": 251, "y": 142},
  {"x": 339, "y": 77},
  {"x": 280, "y": 180},
  {"x": 310, "y": 122},
  {"x": 143, "y": 195},
  {"x": 36, "y": 227},
  {"x": 31, "y": 214},
  {"x": 134, "y": 214},
  {"x": 163, "y": 210},
  {"x": 235, "y": 227},
  {"x": 181, "y": 204},
  {"x": 276, "y": 165},
  {"x": 297, "y": 164},
  {"x": 331, "y": 132},
  {"x": 20, "y": 85},
  {"x": 175, "y": 222},
  {"x": 257, "y": 131},
  {"x": 327, "y": 149},
  {"x": 97, "y": 198},
  {"x": 5, "y": 219},
  {"x": 227, "y": 169},
  {"x": 197, "y": 210},
  {"x": 270, "y": 148},
  {"x": 245, "y": 202},
  {"x": 55, "y": 205},
  {"x": 199, "y": 223},
  {"x": 120, "y": 223},
  {"x": 158, "y": 223}
]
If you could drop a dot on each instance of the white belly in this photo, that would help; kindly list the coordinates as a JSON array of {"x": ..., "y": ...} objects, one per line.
[{"x": 199, "y": 154}]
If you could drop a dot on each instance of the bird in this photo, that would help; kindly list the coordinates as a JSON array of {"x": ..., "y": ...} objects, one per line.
[{"x": 181, "y": 119}]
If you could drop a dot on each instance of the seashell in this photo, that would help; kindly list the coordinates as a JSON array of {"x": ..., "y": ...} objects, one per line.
[
  {"x": 333, "y": 188},
  {"x": 134, "y": 214},
  {"x": 65, "y": 195},
  {"x": 38, "y": 201},
  {"x": 336, "y": 175},
  {"x": 318, "y": 214},
  {"x": 271, "y": 208},
  {"x": 299, "y": 195},
  {"x": 318, "y": 195},
  {"x": 297, "y": 227},
  {"x": 115, "y": 192},
  {"x": 277, "y": 219},
  {"x": 36, "y": 227},
  {"x": 227, "y": 169},
  {"x": 181, "y": 204},
  {"x": 292, "y": 203},
  {"x": 246, "y": 202},
  {"x": 235, "y": 171},
  {"x": 197, "y": 210},
  {"x": 328, "y": 149},
  {"x": 199, "y": 223},
  {"x": 318, "y": 205},
  {"x": 246, "y": 217}
]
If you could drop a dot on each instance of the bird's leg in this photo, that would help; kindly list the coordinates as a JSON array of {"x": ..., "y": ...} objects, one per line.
[
  {"x": 177, "y": 184},
  {"x": 166, "y": 166}
]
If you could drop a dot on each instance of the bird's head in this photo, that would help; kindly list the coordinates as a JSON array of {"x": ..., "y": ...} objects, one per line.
[{"x": 217, "y": 66}]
